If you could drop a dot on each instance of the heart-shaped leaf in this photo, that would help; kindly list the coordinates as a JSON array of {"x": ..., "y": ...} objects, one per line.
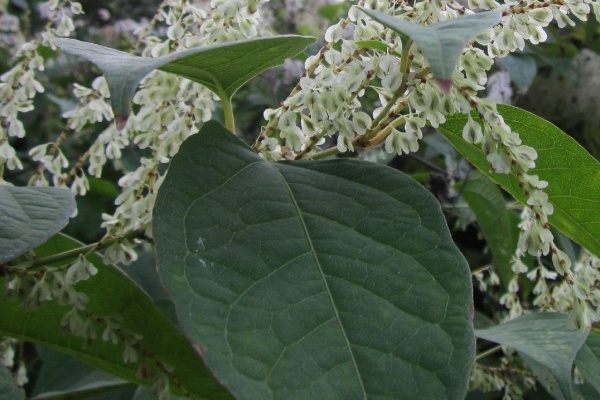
[
  {"x": 441, "y": 43},
  {"x": 31, "y": 215},
  {"x": 110, "y": 292},
  {"x": 546, "y": 339},
  {"x": 329, "y": 279},
  {"x": 222, "y": 68},
  {"x": 573, "y": 175}
]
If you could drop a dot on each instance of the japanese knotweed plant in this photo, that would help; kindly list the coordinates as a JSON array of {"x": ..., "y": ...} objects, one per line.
[{"x": 294, "y": 273}]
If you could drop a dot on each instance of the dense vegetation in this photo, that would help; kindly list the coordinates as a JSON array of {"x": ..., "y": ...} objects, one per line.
[{"x": 183, "y": 218}]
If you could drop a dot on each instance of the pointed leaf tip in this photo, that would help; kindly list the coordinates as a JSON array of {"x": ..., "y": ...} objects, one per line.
[
  {"x": 444, "y": 84},
  {"x": 121, "y": 121},
  {"x": 443, "y": 42}
]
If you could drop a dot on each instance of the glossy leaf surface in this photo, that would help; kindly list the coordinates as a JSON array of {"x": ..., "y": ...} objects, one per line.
[
  {"x": 31, "y": 215},
  {"x": 573, "y": 175},
  {"x": 328, "y": 280}
]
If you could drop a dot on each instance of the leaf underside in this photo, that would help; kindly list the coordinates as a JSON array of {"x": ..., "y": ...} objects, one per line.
[
  {"x": 333, "y": 279},
  {"x": 222, "y": 68},
  {"x": 545, "y": 341},
  {"x": 441, "y": 43},
  {"x": 31, "y": 215}
]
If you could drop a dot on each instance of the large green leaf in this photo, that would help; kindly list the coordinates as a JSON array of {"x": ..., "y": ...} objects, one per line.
[
  {"x": 588, "y": 359},
  {"x": 8, "y": 387},
  {"x": 31, "y": 215},
  {"x": 545, "y": 339},
  {"x": 441, "y": 43},
  {"x": 495, "y": 221},
  {"x": 222, "y": 68},
  {"x": 328, "y": 280},
  {"x": 573, "y": 175},
  {"x": 110, "y": 292}
]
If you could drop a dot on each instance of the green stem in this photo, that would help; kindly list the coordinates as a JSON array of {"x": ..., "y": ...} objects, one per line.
[
  {"x": 74, "y": 253},
  {"x": 384, "y": 132},
  {"x": 488, "y": 352},
  {"x": 323, "y": 154},
  {"x": 400, "y": 92},
  {"x": 228, "y": 111},
  {"x": 478, "y": 270}
]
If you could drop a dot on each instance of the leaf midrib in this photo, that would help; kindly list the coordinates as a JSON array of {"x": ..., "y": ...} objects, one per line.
[{"x": 318, "y": 264}]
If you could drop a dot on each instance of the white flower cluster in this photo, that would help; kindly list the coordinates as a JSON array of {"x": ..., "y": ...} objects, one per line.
[
  {"x": 326, "y": 101},
  {"x": 8, "y": 358},
  {"x": 39, "y": 287},
  {"x": 11, "y": 36},
  {"x": 483, "y": 281},
  {"x": 170, "y": 110},
  {"x": 60, "y": 14},
  {"x": 36, "y": 287},
  {"x": 512, "y": 383},
  {"x": 18, "y": 86},
  {"x": 93, "y": 108},
  {"x": 189, "y": 25},
  {"x": 583, "y": 280}
]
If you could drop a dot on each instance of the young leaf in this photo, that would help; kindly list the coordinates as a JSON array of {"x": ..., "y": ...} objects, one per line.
[
  {"x": 573, "y": 175},
  {"x": 545, "y": 339},
  {"x": 487, "y": 203},
  {"x": 31, "y": 215},
  {"x": 110, "y": 292},
  {"x": 222, "y": 68},
  {"x": 441, "y": 43},
  {"x": 329, "y": 279}
]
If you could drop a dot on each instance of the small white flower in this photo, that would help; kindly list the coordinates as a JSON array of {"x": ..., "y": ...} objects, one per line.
[
  {"x": 535, "y": 240},
  {"x": 334, "y": 33}
]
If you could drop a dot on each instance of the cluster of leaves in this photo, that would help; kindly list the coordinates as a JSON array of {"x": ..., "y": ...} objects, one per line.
[{"x": 304, "y": 279}]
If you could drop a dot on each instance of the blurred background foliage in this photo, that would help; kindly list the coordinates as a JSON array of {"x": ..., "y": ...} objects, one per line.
[{"x": 557, "y": 80}]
